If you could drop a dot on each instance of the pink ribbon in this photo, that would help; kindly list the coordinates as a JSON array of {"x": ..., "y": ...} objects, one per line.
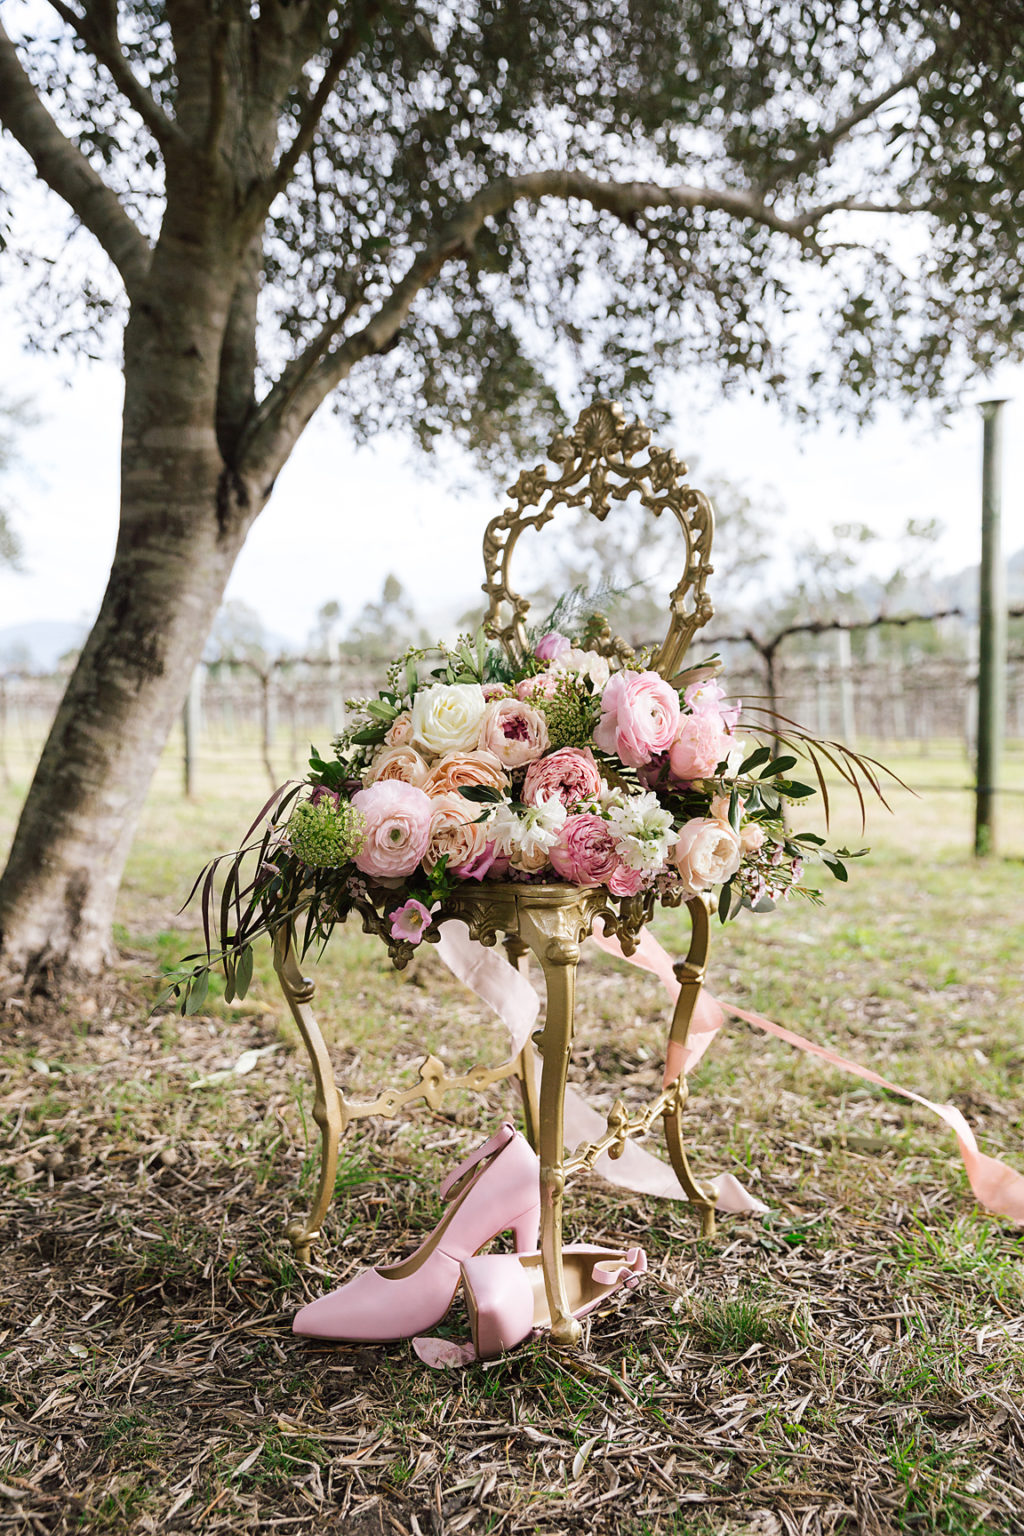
[{"x": 996, "y": 1186}]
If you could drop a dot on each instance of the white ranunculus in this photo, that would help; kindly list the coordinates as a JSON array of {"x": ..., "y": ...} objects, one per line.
[{"x": 446, "y": 717}]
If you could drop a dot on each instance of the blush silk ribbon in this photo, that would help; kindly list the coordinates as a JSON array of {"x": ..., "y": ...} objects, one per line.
[{"x": 508, "y": 992}]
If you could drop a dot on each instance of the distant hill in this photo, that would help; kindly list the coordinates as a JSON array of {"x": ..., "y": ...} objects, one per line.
[{"x": 40, "y": 643}]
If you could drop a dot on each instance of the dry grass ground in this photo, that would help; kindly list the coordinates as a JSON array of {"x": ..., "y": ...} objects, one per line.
[{"x": 853, "y": 1362}]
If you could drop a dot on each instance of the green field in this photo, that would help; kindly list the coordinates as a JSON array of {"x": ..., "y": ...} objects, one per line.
[{"x": 854, "y": 1362}]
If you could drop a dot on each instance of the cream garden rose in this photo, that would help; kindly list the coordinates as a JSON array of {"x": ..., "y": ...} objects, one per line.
[
  {"x": 707, "y": 852},
  {"x": 446, "y": 717}
]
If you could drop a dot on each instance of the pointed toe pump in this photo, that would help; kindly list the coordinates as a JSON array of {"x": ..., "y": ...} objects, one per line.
[
  {"x": 495, "y": 1190},
  {"x": 506, "y": 1299}
]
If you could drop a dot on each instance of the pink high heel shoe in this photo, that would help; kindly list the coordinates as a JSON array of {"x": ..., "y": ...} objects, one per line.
[
  {"x": 496, "y": 1189},
  {"x": 506, "y": 1299}
]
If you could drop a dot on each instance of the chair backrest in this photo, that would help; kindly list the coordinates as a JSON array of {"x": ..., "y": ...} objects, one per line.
[{"x": 602, "y": 460}]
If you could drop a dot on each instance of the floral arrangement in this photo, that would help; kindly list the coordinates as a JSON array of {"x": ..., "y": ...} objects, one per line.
[{"x": 571, "y": 767}]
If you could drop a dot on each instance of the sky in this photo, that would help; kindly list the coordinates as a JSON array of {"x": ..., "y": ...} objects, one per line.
[{"x": 342, "y": 518}]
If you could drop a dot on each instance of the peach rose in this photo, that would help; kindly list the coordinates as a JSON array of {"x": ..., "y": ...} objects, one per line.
[
  {"x": 402, "y": 763},
  {"x": 707, "y": 852},
  {"x": 455, "y": 832},
  {"x": 400, "y": 731},
  {"x": 751, "y": 838},
  {"x": 514, "y": 731},
  {"x": 458, "y": 768}
]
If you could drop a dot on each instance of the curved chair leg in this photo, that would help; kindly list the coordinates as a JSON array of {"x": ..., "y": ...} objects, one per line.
[
  {"x": 558, "y": 955},
  {"x": 526, "y": 1063},
  {"x": 690, "y": 975},
  {"x": 298, "y": 991}
]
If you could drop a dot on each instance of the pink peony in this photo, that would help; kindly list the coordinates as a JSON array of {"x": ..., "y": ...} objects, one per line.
[
  {"x": 552, "y": 646},
  {"x": 570, "y": 774},
  {"x": 706, "y": 853},
  {"x": 639, "y": 716},
  {"x": 700, "y": 745},
  {"x": 409, "y": 921},
  {"x": 515, "y": 732},
  {"x": 397, "y": 828},
  {"x": 585, "y": 852}
]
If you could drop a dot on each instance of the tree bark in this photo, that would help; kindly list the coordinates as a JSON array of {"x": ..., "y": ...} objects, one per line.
[{"x": 184, "y": 517}]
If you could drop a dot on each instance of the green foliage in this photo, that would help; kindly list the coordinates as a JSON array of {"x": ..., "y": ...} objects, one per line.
[{"x": 763, "y": 106}]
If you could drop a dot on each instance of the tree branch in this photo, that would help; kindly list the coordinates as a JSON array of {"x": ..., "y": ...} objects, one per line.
[
  {"x": 342, "y": 54},
  {"x": 98, "y": 30},
  {"x": 307, "y": 381},
  {"x": 67, "y": 172},
  {"x": 820, "y": 150}
]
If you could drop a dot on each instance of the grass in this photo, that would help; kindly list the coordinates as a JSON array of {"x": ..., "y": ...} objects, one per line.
[{"x": 853, "y": 1362}]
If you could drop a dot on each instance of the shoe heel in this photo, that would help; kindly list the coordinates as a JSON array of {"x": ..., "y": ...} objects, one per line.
[{"x": 526, "y": 1229}]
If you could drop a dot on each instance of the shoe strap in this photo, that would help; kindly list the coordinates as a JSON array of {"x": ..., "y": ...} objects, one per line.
[
  {"x": 501, "y": 1138},
  {"x": 628, "y": 1273}
]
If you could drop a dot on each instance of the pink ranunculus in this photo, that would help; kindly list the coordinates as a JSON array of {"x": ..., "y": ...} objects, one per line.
[
  {"x": 397, "y": 828},
  {"x": 409, "y": 921},
  {"x": 707, "y": 852},
  {"x": 571, "y": 775},
  {"x": 625, "y": 881},
  {"x": 639, "y": 716},
  {"x": 585, "y": 852},
  {"x": 700, "y": 744},
  {"x": 543, "y": 686},
  {"x": 515, "y": 732},
  {"x": 552, "y": 646}
]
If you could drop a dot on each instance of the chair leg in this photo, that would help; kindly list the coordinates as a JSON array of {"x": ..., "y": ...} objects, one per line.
[
  {"x": 298, "y": 991},
  {"x": 559, "y": 955},
  {"x": 526, "y": 1062},
  {"x": 681, "y": 1164}
]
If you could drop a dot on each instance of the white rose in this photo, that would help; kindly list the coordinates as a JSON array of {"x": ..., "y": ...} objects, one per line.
[{"x": 446, "y": 717}]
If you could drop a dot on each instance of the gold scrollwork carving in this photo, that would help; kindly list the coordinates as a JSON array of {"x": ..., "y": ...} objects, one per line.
[{"x": 596, "y": 464}]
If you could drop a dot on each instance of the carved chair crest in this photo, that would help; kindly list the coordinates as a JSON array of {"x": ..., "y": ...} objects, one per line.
[{"x": 603, "y": 460}]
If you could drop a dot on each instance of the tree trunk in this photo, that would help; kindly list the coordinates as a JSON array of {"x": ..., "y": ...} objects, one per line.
[{"x": 183, "y": 521}]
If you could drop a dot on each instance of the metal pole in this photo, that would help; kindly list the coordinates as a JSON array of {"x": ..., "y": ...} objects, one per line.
[
  {"x": 991, "y": 632},
  {"x": 190, "y": 722}
]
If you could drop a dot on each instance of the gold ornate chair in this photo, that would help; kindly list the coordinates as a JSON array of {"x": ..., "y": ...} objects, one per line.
[{"x": 604, "y": 460}]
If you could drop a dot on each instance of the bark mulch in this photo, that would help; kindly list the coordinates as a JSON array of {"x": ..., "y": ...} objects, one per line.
[{"x": 848, "y": 1364}]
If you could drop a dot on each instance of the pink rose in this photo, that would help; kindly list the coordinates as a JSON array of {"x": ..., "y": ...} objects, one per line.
[
  {"x": 751, "y": 838},
  {"x": 515, "y": 732},
  {"x": 552, "y": 646},
  {"x": 700, "y": 745},
  {"x": 570, "y": 775},
  {"x": 625, "y": 881},
  {"x": 543, "y": 686},
  {"x": 495, "y": 691},
  {"x": 397, "y": 828},
  {"x": 585, "y": 852},
  {"x": 706, "y": 853},
  {"x": 639, "y": 716}
]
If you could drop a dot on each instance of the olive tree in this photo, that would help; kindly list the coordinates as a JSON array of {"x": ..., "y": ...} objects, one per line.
[{"x": 459, "y": 221}]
